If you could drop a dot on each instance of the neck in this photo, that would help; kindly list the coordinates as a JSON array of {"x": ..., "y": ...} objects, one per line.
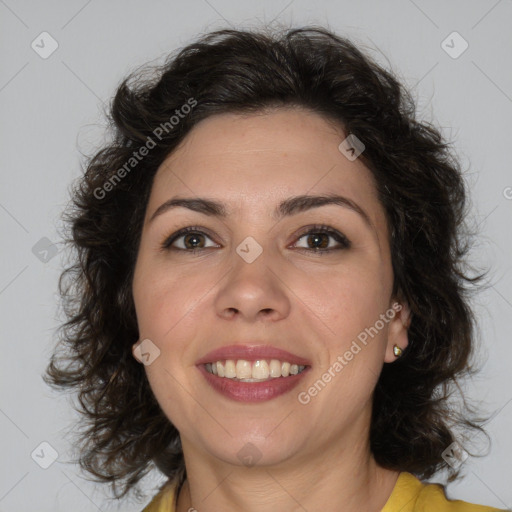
[{"x": 348, "y": 479}]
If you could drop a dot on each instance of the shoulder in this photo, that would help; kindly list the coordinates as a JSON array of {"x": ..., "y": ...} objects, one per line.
[
  {"x": 411, "y": 495},
  {"x": 432, "y": 497},
  {"x": 164, "y": 500}
]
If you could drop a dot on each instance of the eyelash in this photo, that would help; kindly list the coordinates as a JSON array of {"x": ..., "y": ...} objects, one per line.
[{"x": 316, "y": 229}]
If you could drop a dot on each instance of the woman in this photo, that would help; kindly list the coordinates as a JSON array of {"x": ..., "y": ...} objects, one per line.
[{"x": 268, "y": 301}]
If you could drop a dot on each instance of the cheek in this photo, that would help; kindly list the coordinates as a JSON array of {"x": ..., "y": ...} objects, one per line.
[
  {"x": 168, "y": 305},
  {"x": 346, "y": 301},
  {"x": 172, "y": 305},
  {"x": 350, "y": 305},
  {"x": 164, "y": 297}
]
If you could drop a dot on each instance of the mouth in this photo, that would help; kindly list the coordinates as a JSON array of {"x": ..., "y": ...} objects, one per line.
[
  {"x": 242, "y": 370},
  {"x": 247, "y": 373}
]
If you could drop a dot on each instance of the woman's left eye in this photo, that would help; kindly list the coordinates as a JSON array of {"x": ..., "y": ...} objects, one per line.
[{"x": 318, "y": 237}]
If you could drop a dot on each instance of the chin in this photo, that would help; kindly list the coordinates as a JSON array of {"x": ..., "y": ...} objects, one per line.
[{"x": 255, "y": 450}]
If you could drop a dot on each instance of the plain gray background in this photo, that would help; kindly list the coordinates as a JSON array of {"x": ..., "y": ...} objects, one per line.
[{"x": 51, "y": 112}]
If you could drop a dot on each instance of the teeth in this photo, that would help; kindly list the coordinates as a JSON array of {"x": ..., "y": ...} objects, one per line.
[
  {"x": 230, "y": 369},
  {"x": 275, "y": 368},
  {"x": 260, "y": 370},
  {"x": 243, "y": 369},
  {"x": 253, "y": 371}
]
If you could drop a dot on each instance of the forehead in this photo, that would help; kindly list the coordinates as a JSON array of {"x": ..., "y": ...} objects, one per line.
[{"x": 251, "y": 162}]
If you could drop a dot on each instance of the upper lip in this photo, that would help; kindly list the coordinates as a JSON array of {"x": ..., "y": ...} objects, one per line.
[{"x": 252, "y": 353}]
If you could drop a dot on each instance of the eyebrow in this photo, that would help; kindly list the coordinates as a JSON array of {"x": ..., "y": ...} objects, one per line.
[{"x": 291, "y": 206}]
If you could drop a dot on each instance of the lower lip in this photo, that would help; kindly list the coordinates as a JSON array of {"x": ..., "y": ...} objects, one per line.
[{"x": 252, "y": 391}]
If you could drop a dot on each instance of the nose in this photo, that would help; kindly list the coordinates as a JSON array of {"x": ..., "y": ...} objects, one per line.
[{"x": 253, "y": 291}]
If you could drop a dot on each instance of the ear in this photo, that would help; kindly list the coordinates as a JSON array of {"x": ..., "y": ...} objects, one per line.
[{"x": 397, "y": 330}]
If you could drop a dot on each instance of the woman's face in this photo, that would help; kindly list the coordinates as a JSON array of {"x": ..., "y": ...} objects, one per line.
[{"x": 309, "y": 279}]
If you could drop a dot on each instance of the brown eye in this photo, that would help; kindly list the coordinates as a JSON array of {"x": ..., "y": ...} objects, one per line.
[
  {"x": 187, "y": 239},
  {"x": 319, "y": 239},
  {"x": 193, "y": 240}
]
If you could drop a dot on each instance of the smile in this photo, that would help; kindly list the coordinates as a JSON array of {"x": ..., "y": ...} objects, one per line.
[{"x": 253, "y": 371}]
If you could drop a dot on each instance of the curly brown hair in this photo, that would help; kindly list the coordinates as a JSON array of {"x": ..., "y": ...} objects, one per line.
[{"x": 420, "y": 185}]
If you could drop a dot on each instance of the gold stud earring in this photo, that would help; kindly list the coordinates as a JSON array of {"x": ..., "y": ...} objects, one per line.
[{"x": 397, "y": 351}]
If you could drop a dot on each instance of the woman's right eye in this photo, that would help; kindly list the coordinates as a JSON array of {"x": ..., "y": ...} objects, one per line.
[{"x": 187, "y": 239}]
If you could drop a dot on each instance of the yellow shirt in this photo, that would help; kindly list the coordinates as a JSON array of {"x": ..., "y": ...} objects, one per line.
[{"x": 409, "y": 495}]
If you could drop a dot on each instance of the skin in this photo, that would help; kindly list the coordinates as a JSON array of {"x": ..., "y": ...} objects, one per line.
[{"x": 314, "y": 456}]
